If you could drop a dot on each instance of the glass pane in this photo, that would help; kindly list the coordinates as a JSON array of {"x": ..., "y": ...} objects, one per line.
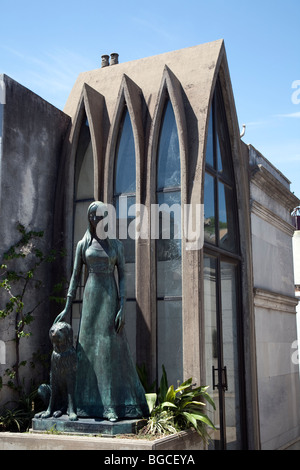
[
  {"x": 227, "y": 222},
  {"x": 169, "y": 340},
  {"x": 125, "y": 177},
  {"x": 219, "y": 157},
  {"x": 80, "y": 222},
  {"x": 209, "y": 209},
  {"x": 124, "y": 222},
  {"x": 130, "y": 327},
  {"x": 168, "y": 167},
  {"x": 168, "y": 246},
  {"x": 211, "y": 346},
  {"x": 76, "y": 314},
  {"x": 230, "y": 355},
  {"x": 84, "y": 142},
  {"x": 85, "y": 184},
  {"x": 223, "y": 145},
  {"x": 210, "y": 141}
]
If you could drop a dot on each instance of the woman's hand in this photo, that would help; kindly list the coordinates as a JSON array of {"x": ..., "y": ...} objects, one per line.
[
  {"x": 65, "y": 311},
  {"x": 60, "y": 317},
  {"x": 119, "y": 320}
]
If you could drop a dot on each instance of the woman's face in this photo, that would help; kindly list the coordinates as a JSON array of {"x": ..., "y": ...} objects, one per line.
[{"x": 96, "y": 215}]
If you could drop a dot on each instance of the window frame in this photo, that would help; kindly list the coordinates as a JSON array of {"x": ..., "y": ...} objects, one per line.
[
  {"x": 221, "y": 255},
  {"x": 167, "y": 190},
  {"x": 218, "y": 113}
]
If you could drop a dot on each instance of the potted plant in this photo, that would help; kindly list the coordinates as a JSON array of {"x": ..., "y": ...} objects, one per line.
[{"x": 174, "y": 410}]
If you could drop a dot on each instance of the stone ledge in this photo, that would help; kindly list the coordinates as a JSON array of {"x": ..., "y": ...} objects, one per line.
[{"x": 185, "y": 440}]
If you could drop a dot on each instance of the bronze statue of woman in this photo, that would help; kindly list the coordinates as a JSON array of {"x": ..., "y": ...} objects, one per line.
[{"x": 107, "y": 384}]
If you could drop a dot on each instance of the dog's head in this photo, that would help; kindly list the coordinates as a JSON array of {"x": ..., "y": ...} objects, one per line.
[{"x": 61, "y": 336}]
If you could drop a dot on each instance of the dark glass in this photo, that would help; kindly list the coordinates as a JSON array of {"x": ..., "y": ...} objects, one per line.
[
  {"x": 227, "y": 223},
  {"x": 84, "y": 142},
  {"x": 219, "y": 228},
  {"x": 125, "y": 188},
  {"x": 169, "y": 340},
  {"x": 125, "y": 177},
  {"x": 211, "y": 342},
  {"x": 219, "y": 157},
  {"x": 210, "y": 141},
  {"x": 223, "y": 148},
  {"x": 231, "y": 355},
  {"x": 168, "y": 251},
  {"x": 168, "y": 245},
  {"x": 123, "y": 204},
  {"x": 168, "y": 166},
  {"x": 209, "y": 209}
]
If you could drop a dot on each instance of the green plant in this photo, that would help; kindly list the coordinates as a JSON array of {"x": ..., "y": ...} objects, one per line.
[
  {"x": 19, "y": 418},
  {"x": 161, "y": 422},
  {"x": 12, "y": 420},
  {"x": 17, "y": 279},
  {"x": 53, "y": 430},
  {"x": 187, "y": 409},
  {"x": 143, "y": 376},
  {"x": 179, "y": 409}
]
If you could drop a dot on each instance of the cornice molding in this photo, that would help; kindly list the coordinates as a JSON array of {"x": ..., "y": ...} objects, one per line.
[
  {"x": 270, "y": 217},
  {"x": 273, "y": 301},
  {"x": 270, "y": 185}
]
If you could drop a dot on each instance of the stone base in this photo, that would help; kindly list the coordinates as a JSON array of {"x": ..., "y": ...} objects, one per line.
[
  {"x": 87, "y": 426},
  {"x": 182, "y": 441}
]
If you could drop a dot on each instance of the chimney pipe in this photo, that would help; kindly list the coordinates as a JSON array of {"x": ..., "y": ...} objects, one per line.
[
  {"x": 114, "y": 58},
  {"x": 105, "y": 61}
]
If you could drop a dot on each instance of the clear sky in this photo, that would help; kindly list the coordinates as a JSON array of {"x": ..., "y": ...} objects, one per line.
[{"x": 45, "y": 45}]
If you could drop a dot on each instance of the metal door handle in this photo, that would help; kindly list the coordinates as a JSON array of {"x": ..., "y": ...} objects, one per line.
[
  {"x": 224, "y": 384},
  {"x": 213, "y": 378}
]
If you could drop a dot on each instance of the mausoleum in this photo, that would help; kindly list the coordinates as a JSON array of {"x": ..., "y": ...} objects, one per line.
[{"x": 215, "y": 302}]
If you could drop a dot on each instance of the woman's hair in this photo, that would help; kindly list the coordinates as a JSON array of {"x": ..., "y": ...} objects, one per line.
[{"x": 90, "y": 232}]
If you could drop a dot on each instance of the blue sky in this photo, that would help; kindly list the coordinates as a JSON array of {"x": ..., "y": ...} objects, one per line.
[{"x": 45, "y": 45}]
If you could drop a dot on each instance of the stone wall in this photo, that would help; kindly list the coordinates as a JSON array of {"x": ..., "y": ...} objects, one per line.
[
  {"x": 32, "y": 136},
  {"x": 274, "y": 303}
]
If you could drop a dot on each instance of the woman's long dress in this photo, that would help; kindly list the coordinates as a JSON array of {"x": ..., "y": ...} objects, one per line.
[{"x": 107, "y": 381}]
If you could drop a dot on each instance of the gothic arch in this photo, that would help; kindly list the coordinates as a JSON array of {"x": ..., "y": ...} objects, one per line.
[
  {"x": 170, "y": 90},
  {"x": 221, "y": 80},
  {"x": 130, "y": 96}
]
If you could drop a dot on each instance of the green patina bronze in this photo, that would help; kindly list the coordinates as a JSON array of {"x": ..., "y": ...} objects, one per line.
[{"x": 107, "y": 384}]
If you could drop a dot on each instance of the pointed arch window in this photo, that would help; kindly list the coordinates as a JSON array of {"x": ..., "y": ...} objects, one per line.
[
  {"x": 83, "y": 196},
  {"x": 168, "y": 249},
  {"x": 124, "y": 201},
  {"x": 221, "y": 274},
  {"x": 220, "y": 220}
]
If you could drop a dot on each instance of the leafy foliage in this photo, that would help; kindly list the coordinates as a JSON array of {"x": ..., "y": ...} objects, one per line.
[
  {"x": 19, "y": 418},
  {"x": 179, "y": 409},
  {"x": 16, "y": 280},
  {"x": 160, "y": 422},
  {"x": 143, "y": 376}
]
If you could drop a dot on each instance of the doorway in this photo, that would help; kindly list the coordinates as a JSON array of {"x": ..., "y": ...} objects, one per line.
[{"x": 223, "y": 351}]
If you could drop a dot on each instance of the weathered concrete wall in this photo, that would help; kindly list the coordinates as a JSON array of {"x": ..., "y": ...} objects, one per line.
[
  {"x": 296, "y": 251},
  {"x": 274, "y": 303},
  {"x": 296, "y": 255},
  {"x": 33, "y": 132}
]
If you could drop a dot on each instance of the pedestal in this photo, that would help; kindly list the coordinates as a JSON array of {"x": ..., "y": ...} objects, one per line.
[{"x": 87, "y": 425}]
